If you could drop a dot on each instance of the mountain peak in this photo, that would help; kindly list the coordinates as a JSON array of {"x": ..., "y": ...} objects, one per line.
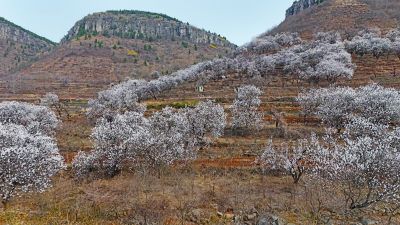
[
  {"x": 133, "y": 24},
  {"x": 300, "y": 5}
]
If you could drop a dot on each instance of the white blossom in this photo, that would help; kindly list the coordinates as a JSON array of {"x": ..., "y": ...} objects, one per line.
[
  {"x": 50, "y": 99},
  {"x": 36, "y": 119},
  {"x": 315, "y": 61},
  {"x": 328, "y": 37},
  {"x": 364, "y": 162},
  {"x": 245, "y": 108},
  {"x": 164, "y": 138},
  {"x": 292, "y": 160},
  {"x": 27, "y": 160},
  {"x": 333, "y": 105}
]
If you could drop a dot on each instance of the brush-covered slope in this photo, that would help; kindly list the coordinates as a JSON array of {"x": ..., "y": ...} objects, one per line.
[
  {"x": 345, "y": 16},
  {"x": 110, "y": 46},
  {"x": 19, "y": 46}
]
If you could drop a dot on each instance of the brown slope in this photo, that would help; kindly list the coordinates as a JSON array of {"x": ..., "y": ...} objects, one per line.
[{"x": 345, "y": 16}]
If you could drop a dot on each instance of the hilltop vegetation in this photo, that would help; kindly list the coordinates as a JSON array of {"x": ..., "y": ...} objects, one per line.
[{"x": 142, "y": 13}]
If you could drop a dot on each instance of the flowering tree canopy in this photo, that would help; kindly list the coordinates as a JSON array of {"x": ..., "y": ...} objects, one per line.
[
  {"x": 364, "y": 162},
  {"x": 333, "y": 105},
  {"x": 29, "y": 155},
  {"x": 164, "y": 138},
  {"x": 245, "y": 108},
  {"x": 292, "y": 160},
  {"x": 36, "y": 119}
]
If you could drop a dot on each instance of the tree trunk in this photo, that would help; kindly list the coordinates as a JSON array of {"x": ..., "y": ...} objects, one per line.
[{"x": 4, "y": 203}]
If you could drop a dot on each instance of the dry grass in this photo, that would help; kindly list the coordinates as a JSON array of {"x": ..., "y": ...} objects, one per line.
[{"x": 173, "y": 198}]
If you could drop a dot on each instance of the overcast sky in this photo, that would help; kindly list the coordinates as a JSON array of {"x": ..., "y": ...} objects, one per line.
[{"x": 238, "y": 20}]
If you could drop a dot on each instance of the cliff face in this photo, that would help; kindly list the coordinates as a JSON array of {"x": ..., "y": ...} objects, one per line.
[
  {"x": 299, "y": 6},
  {"x": 19, "y": 46},
  {"x": 142, "y": 25},
  {"x": 14, "y": 33}
]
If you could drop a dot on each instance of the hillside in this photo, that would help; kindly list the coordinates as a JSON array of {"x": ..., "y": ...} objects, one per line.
[
  {"x": 19, "y": 46},
  {"x": 345, "y": 16},
  {"x": 225, "y": 184},
  {"x": 107, "y": 47}
]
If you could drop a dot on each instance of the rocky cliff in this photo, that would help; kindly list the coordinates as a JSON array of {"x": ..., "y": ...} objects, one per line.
[
  {"x": 19, "y": 46},
  {"x": 142, "y": 25},
  {"x": 300, "y": 5},
  {"x": 15, "y": 33}
]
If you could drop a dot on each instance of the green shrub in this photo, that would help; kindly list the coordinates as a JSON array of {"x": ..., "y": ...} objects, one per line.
[
  {"x": 142, "y": 13},
  {"x": 177, "y": 105},
  {"x": 81, "y": 31}
]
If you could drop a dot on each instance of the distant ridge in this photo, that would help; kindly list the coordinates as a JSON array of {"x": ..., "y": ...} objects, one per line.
[
  {"x": 20, "y": 47},
  {"x": 3, "y": 20}
]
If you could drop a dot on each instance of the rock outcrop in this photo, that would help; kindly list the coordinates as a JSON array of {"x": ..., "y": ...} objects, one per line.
[
  {"x": 19, "y": 46},
  {"x": 142, "y": 25},
  {"x": 14, "y": 33},
  {"x": 300, "y": 5}
]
